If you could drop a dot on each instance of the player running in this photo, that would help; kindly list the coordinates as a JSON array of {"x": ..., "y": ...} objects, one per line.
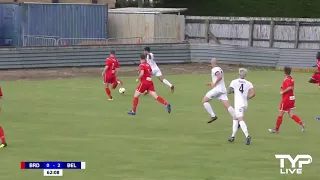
[
  {"x": 109, "y": 73},
  {"x": 146, "y": 84},
  {"x": 287, "y": 102},
  {"x": 315, "y": 79},
  {"x": 2, "y": 137},
  {"x": 155, "y": 69},
  {"x": 218, "y": 91},
  {"x": 243, "y": 91}
]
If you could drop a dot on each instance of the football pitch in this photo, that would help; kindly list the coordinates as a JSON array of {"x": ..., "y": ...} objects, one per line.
[{"x": 72, "y": 120}]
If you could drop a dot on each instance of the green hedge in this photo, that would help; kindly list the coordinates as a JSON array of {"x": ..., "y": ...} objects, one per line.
[{"x": 257, "y": 8}]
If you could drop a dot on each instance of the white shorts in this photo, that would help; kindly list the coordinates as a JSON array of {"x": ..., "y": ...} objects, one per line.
[
  {"x": 213, "y": 93},
  {"x": 240, "y": 111},
  {"x": 156, "y": 72}
]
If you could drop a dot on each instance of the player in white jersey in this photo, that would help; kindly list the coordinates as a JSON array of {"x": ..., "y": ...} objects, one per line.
[
  {"x": 243, "y": 91},
  {"x": 218, "y": 91},
  {"x": 155, "y": 69}
]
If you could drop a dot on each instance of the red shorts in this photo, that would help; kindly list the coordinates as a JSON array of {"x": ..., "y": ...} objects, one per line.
[
  {"x": 145, "y": 87},
  {"x": 316, "y": 77},
  {"x": 287, "y": 105},
  {"x": 111, "y": 79}
]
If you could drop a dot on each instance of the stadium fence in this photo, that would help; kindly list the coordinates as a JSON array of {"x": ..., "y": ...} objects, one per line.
[{"x": 86, "y": 56}]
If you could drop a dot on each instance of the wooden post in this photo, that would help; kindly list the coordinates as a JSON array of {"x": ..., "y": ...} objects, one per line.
[
  {"x": 271, "y": 36},
  {"x": 251, "y": 28},
  {"x": 207, "y": 29},
  {"x": 140, "y": 3},
  {"x": 297, "y": 27},
  {"x": 211, "y": 35}
]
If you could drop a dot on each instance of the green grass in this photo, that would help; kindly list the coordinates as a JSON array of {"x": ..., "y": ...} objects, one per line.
[{"x": 72, "y": 120}]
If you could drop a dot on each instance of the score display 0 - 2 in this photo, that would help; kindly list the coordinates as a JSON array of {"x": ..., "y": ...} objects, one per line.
[{"x": 52, "y": 168}]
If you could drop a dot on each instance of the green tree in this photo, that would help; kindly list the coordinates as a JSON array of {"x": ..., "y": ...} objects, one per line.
[{"x": 258, "y": 8}]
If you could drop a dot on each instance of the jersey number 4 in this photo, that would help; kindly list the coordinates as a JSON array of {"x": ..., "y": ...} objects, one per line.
[{"x": 241, "y": 88}]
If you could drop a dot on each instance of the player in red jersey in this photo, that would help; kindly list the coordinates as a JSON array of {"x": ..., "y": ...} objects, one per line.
[
  {"x": 315, "y": 79},
  {"x": 287, "y": 102},
  {"x": 109, "y": 73},
  {"x": 146, "y": 84},
  {"x": 2, "y": 137}
]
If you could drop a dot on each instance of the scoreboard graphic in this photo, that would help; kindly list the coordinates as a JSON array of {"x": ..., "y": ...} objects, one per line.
[{"x": 53, "y": 168}]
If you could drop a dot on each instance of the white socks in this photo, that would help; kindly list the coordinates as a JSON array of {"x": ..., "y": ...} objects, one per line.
[
  {"x": 234, "y": 127},
  {"x": 209, "y": 109},
  {"x": 166, "y": 82},
  {"x": 231, "y": 111},
  {"x": 244, "y": 128}
]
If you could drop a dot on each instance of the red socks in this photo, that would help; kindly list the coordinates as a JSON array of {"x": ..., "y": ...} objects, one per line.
[
  {"x": 1, "y": 92},
  {"x": 108, "y": 93},
  {"x": 3, "y": 140},
  {"x": 294, "y": 117},
  {"x": 135, "y": 104},
  {"x": 278, "y": 123},
  {"x": 297, "y": 119},
  {"x": 161, "y": 100}
]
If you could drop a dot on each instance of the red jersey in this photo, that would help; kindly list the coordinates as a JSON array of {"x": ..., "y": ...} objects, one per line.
[
  {"x": 287, "y": 82},
  {"x": 146, "y": 78},
  {"x": 112, "y": 64},
  {"x": 318, "y": 64}
]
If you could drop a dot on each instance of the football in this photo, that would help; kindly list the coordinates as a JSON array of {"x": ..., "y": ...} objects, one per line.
[{"x": 122, "y": 90}]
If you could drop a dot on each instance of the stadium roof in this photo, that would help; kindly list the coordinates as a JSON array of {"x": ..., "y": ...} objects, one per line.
[{"x": 131, "y": 10}]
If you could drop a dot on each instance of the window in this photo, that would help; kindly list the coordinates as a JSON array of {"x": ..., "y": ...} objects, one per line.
[{"x": 94, "y": 1}]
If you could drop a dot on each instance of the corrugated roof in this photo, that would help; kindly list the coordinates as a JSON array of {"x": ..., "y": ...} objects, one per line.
[{"x": 131, "y": 10}]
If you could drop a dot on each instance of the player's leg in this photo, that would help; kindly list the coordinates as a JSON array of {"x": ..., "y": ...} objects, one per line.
[
  {"x": 114, "y": 82},
  {"x": 2, "y": 137},
  {"x": 282, "y": 110},
  {"x": 243, "y": 125},
  {"x": 225, "y": 101},
  {"x": 235, "y": 125},
  {"x": 297, "y": 119},
  {"x": 315, "y": 79},
  {"x": 153, "y": 93},
  {"x": 205, "y": 101},
  {"x": 119, "y": 81},
  {"x": 158, "y": 74},
  {"x": 107, "y": 81},
  {"x": 140, "y": 89},
  {"x": 1, "y": 93}
]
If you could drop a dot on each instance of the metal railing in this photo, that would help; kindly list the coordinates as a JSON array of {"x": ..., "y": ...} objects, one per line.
[
  {"x": 160, "y": 40},
  {"x": 39, "y": 40},
  {"x": 34, "y": 40}
]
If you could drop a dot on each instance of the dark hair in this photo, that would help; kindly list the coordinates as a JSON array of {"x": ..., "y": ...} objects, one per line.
[
  {"x": 287, "y": 70},
  {"x": 147, "y": 49},
  {"x": 318, "y": 55},
  {"x": 142, "y": 56},
  {"x": 113, "y": 52}
]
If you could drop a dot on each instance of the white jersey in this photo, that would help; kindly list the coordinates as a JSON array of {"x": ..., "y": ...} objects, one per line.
[
  {"x": 241, "y": 89},
  {"x": 221, "y": 87},
  {"x": 151, "y": 61}
]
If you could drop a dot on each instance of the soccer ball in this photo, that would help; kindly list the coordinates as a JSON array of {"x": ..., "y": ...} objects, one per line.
[{"x": 122, "y": 90}]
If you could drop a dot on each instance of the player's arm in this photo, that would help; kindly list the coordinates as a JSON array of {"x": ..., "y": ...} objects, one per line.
[
  {"x": 230, "y": 89},
  {"x": 286, "y": 90},
  {"x": 219, "y": 78},
  {"x": 141, "y": 73},
  {"x": 251, "y": 93},
  {"x": 117, "y": 68},
  {"x": 288, "y": 85},
  {"x": 104, "y": 70}
]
